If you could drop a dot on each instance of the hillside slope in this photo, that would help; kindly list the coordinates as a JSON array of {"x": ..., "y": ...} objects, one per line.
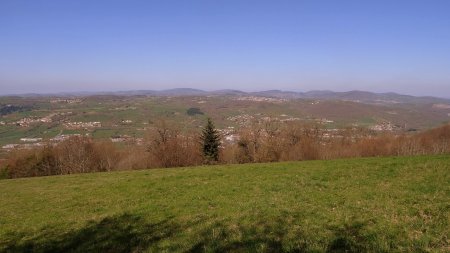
[{"x": 376, "y": 204}]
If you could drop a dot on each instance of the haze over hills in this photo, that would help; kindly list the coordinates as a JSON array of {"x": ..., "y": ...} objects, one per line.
[{"x": 354, "y": 95}]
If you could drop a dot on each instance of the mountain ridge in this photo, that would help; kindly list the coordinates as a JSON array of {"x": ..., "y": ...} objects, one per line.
[{"x": 352, "y": 95}]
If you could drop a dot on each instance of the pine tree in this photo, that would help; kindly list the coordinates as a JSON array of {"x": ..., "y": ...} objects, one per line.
[{"x": 211, "y": 140}]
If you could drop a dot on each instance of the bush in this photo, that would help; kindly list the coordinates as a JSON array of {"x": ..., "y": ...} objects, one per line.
[
  {"x": 4, "y": 174},
  {"x": 194, "y": 111},
  {"x": 167, "y": 146}
]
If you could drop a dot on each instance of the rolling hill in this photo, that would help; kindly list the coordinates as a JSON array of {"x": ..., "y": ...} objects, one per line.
[
  {"x": 354, "y": 95},
  {"x": 131, "y": 113}
]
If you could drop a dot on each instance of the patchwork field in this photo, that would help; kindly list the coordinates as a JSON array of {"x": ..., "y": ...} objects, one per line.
[
  {"x": 49, "y": 118},
  {"x": 356, "y": 205}
]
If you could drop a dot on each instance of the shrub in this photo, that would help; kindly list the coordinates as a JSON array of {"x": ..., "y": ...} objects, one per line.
[
  {"x": 194, "y": 111},
  {"x": 4, "y": 174},
  {"x": 167, "y": 146}
]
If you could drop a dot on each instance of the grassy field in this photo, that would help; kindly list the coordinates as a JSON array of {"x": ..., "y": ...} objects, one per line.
[{"x": 355, "y": 205}]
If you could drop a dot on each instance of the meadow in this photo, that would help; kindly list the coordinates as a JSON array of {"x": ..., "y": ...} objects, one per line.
[{"x": 393, "y": 204}]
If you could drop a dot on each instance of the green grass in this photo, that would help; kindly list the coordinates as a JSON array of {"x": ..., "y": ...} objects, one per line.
[{"x": 354, "y": 205}]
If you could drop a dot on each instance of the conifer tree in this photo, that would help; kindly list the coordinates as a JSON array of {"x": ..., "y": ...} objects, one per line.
[{"x": 211, "y": 140}]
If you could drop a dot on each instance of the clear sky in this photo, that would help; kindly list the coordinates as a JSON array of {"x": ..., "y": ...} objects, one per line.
[{"x": 73, "y": 45}]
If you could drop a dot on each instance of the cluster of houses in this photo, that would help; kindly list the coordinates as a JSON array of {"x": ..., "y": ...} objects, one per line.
[
  {"x": 261, "y": 99},
  {"x": 245, "y": 119},
  {"x": 66, "y": 101},
  {"x": 28, "y": 143},
  {"x": 229, "y": 134},
  {"x": 27, "y": 121},
  {"x": 82, "y": 125},
  {"x": 384, "y": 126},
  {"x": 242, "y": 119},
  {"x": 127, "y": 139}
]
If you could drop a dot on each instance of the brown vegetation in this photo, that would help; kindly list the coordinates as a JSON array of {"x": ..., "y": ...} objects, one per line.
[
  {"x": 167, "y": 147},
  {"x": 270, "y": 141}
]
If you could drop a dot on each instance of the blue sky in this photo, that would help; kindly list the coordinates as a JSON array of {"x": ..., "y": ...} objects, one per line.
[{"x": 381, "y": 46}]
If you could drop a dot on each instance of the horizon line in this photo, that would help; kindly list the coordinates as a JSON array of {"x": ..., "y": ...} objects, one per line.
[{"x": 104, "y": 92}]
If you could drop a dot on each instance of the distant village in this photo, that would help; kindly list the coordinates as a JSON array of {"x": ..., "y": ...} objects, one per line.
[{"x": 229, "y": 133}]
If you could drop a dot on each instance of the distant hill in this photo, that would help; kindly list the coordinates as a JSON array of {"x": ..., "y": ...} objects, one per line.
[
  {"x": 354, "y": 95},
  {"x": 371, "y": 97},
  {"x": 228, "y": 92},
  {"x": 168, "y": 92},
  {"x": 278, "y": 94}
]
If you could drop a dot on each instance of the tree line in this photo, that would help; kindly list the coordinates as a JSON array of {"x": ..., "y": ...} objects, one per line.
[{"x": 269, "y": 141}]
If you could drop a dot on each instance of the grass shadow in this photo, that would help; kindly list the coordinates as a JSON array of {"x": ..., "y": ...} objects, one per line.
[
  {"x": 125, "y": 233},
  {"x": 131, "y": 233},
  {"x": 353, "y": 238},
  {"x": 258, "y": 237}
]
